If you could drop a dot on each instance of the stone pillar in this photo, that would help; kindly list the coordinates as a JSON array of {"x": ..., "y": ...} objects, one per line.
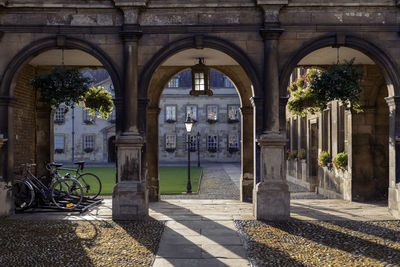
[
  {"x": 394, "y": 155},
  {"x": 130, "y": 196},
  {"x": 271, "y": 195},
  {"x": 152, "y": 149},
  {"x": 247, "y": 175},
  {"x": 6, "y": 160}
]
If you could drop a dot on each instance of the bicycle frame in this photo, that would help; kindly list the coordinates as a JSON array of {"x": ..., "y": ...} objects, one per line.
[{"x": 42, "y": 188}]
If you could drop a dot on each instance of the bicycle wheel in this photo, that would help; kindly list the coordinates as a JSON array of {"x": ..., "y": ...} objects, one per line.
[
  {"x": 67, "y": 193},
  {"x": 23, "y": 195},
  {"x": 91, "y": 185}
]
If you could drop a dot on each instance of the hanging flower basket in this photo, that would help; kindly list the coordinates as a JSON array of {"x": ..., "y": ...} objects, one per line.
[
  {"x": 61, "y": 85},
  {"x": 98, "y": 101},
  {"x": 313, "y": 91},
  {"x": 68, "y": 86}
]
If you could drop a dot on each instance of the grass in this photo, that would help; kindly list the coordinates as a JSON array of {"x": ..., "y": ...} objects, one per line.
[{"x": 173, "y": 180}]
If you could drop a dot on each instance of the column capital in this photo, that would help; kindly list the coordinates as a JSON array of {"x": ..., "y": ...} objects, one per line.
[
  {"x": 271, "y": 10},
  {"x": 153, "y": 110},
  {"x": 246, "y": 111},
  {"x": 256, "y": 101},
  {"x": 271, "y": 33},
  {"x": 129, "y": 140},
  {"x": 393, "y": 101}
]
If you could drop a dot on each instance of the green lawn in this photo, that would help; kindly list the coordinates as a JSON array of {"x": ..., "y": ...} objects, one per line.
[{"x": 173, "y": 180}]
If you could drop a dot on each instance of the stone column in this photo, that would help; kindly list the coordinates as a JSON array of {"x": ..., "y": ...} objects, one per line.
[
  {"x": 152, "y": 149},
  {"x": 247, "y": 175},
  {"x": 394, "y": 155},
  {"x": 130, "y": 196},
  {"x": 271, "y": 195}
]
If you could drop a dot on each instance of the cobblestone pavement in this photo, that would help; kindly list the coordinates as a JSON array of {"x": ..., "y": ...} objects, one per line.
[
  {"x": 78, "y": 243},
  {"x": 215, "y": 184},
  {"x": 322, "y": 243}
]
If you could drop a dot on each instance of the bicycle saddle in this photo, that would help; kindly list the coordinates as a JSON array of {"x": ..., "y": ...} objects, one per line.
[
  {"x": 80, "y": 163},
  {"x": 55, "y": 164}
]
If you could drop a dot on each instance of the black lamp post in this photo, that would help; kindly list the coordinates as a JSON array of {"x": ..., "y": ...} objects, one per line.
[
  {"x": 188, "y": 125},
  {"x": 198, "y": 149}
]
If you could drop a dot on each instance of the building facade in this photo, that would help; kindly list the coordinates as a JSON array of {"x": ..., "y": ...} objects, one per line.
[{"x": 215, "y": 136}]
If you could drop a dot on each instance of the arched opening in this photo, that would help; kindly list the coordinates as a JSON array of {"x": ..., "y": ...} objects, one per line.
[
  {"x": 225, "y": 64},
  {"x": 29, "y": 124},
  {"x": 365, "y": 136}
]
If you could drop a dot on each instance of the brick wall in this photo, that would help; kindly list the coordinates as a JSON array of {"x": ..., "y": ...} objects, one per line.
[{"x": 24, "y": 118}]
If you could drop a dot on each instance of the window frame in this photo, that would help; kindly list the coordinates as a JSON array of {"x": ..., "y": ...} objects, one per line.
[
  {"x": 237, "y": 118},
  {"x": 56, "y": 148},
  {"x": 213, "y": 148},
  {"x": 85, "y": 147},
  {"x": 167, "y": 145},
  {"x": 212, "y": 120},
  {"x": 61, "y": 114},
  {"x": 166, "y": 119},
  {"x": 186, "y": 112},
  {"x": 193, "y": 144}
]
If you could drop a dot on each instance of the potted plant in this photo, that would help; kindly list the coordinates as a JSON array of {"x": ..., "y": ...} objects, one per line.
[
  {"x": 324, "y": 159},
  {"x": 293, "y": 155},
  {"x": 302, "y": 154},
  {"x": 170, "y": 150},
  {"x": 341, "y": 161}
]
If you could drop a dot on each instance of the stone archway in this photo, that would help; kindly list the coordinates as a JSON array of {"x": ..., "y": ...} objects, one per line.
[
  {"x": 381, "y": 136},
  {"x": 243, "y": 85},
  {"x": 10, "y": 95}
]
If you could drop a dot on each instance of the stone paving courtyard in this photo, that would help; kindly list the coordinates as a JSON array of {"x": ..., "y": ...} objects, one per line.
[{"x": 207, "y": 232}]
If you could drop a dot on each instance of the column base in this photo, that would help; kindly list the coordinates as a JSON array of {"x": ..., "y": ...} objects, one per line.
[
  {"x": 6, "y": 200},
  {"x": 130, "y": 201},
  {"x": 271, "y": 201},
  {"x": 394, "y": 202}
]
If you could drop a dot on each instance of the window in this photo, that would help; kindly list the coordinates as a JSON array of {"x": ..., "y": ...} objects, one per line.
[
  {"x": 212, "y": 143},
  {"x": 227, "y": 83},
  {"x": 233, "y": 142},
  {"x": 193, "y": 142},
  {"x": 59, "y": 115},
  {"x": 87, "y": 118},
  {"x": 191, "y": 111},
  {"x": 59, "y": 143},
  {"x": 199, "y": 81},
  {"x": 174, "y": 83},
  {"x": 170, "y": 142},
  {"x": 170, "y": 113},
  {"x": 233, "y": 113},
  {"x": 88, "y": 143},
  {"x": 212, "y": 112}
]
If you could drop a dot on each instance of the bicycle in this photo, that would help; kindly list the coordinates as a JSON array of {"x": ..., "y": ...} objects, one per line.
[
  {"x": 65, "y": 192},
  {"x": 90, "y": 182}
]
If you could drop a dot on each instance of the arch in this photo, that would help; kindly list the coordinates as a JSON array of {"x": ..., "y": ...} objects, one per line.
[
  {"x": 190, "y": 42},
  {"x": 36, "y": 47},
  {"x": 373, "y": 51}
]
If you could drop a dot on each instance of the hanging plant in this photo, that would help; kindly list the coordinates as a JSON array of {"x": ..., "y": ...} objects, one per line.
[
  {"x": 98, "y": 102},
  {"x": 313, "y": 91},
  {"x": 61, "y": 85},
  {"x": 339, "y": 82}
]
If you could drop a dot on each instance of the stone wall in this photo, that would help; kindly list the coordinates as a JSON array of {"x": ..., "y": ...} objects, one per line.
[{"x": 25, "y": 119}]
